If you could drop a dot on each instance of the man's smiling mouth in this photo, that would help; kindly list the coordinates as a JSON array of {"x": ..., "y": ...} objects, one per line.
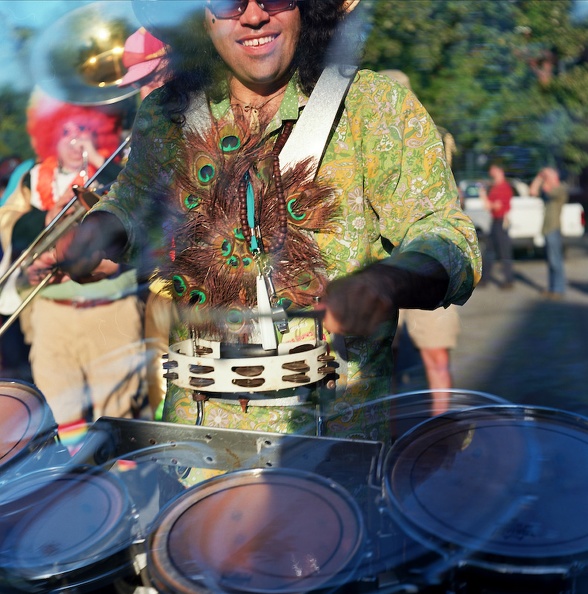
[{"x": 258, "y": 41}]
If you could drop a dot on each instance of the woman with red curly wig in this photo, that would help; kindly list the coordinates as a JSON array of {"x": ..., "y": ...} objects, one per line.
[{"x": 86, "y": 339}]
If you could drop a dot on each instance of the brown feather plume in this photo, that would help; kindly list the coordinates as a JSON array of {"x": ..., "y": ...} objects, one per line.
[{"x": 213, "y": 265}]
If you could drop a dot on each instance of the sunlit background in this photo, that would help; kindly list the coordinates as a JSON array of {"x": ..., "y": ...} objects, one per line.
[
  {"x": 503, "y": 76},
  {"x": 506, "y": 79}
]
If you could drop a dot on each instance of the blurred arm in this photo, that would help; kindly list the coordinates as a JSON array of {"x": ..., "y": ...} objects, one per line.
[
  {"x": 100, "y": 236},
  {"x": 359, "y": 303}
]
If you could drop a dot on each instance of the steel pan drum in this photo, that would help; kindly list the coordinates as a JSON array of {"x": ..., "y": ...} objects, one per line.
[
  {"x": 266, "y": 531},
  {"x": 28, "y": 431},
  {"x": 64, "y": 530},
  {"x": 389, "y": 417},
  {"x": 501, "y": 489},
  {"x": 408, "y": 409}
]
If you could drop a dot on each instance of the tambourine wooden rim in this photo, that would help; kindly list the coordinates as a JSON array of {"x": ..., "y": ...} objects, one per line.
[{"x": 183, "y": 548}]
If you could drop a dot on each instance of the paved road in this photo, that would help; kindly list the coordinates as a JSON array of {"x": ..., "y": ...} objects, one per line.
[{"x": 517, "y": 345}]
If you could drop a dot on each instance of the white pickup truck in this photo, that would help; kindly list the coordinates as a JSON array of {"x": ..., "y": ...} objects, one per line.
[{"x": 525, "y": 217}]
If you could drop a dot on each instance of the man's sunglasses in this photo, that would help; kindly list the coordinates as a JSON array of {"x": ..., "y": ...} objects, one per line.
[{"x": 233, "y": 9}]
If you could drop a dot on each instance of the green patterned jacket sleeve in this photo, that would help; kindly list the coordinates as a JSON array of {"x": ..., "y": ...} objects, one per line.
[
  {"x": 408, "y": 183},
  {"x": 135, "y": 197}
]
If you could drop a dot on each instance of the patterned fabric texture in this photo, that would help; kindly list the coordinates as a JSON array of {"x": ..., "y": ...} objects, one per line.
[{"x": 394, "y": 193}]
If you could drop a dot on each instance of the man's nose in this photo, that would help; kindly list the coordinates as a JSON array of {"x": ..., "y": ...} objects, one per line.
[{"x": 254, "y": 15}]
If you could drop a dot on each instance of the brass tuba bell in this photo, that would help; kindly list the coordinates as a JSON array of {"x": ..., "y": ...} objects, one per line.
[{"x": 78, "y": 59}]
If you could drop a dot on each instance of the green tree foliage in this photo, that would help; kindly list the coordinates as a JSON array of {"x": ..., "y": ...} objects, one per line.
[
  {"x": 508, "y": 78},
  {"x": 14, "y": 139}
]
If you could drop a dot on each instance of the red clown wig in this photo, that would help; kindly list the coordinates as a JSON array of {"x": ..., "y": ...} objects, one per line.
[{"x": 46, "y": 117}]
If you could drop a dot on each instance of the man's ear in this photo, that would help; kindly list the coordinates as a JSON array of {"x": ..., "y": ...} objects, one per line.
[{"x": 205, "y": 21}]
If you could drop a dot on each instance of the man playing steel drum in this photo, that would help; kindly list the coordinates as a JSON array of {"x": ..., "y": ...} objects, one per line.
[{"x": 267, "y": 179}]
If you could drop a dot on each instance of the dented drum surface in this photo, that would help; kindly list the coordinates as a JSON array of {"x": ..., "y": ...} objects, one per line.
[
  {"x": 261, "y": 530},
  {"x": 498, "y": 491},
  {"x": 64, "y": 530},
  {"x": 28, "y": 431}
]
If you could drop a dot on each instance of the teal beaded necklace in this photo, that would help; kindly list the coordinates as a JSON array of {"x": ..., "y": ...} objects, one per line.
[{"x": 246, "y": 194}]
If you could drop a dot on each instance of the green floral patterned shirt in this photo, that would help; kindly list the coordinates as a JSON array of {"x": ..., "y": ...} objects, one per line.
[
  {"x": 395, "y": 191},
  {"x": 385, "y": 158}
]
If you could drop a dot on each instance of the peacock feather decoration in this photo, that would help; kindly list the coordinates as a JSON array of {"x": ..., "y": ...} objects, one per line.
[{"x": 215, "y": 252}]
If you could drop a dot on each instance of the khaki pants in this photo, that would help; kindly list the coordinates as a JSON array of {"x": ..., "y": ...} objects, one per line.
[
  {"x": 88, "y": 358},
  {"x": 435, "y": 329}
]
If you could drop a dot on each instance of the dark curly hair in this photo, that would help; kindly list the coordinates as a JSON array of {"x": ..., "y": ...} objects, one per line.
[{"x": 194, "y": 64}]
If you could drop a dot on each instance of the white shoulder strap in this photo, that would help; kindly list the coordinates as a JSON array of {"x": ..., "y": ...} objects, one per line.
[{"x": 311, "y": 133}]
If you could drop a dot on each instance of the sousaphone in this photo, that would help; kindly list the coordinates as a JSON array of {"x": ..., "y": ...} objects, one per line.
[{"x": 78, "y": 59}]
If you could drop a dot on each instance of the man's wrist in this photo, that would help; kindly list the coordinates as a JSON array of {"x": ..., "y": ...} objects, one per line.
[{"x": 412, "y": 281}]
